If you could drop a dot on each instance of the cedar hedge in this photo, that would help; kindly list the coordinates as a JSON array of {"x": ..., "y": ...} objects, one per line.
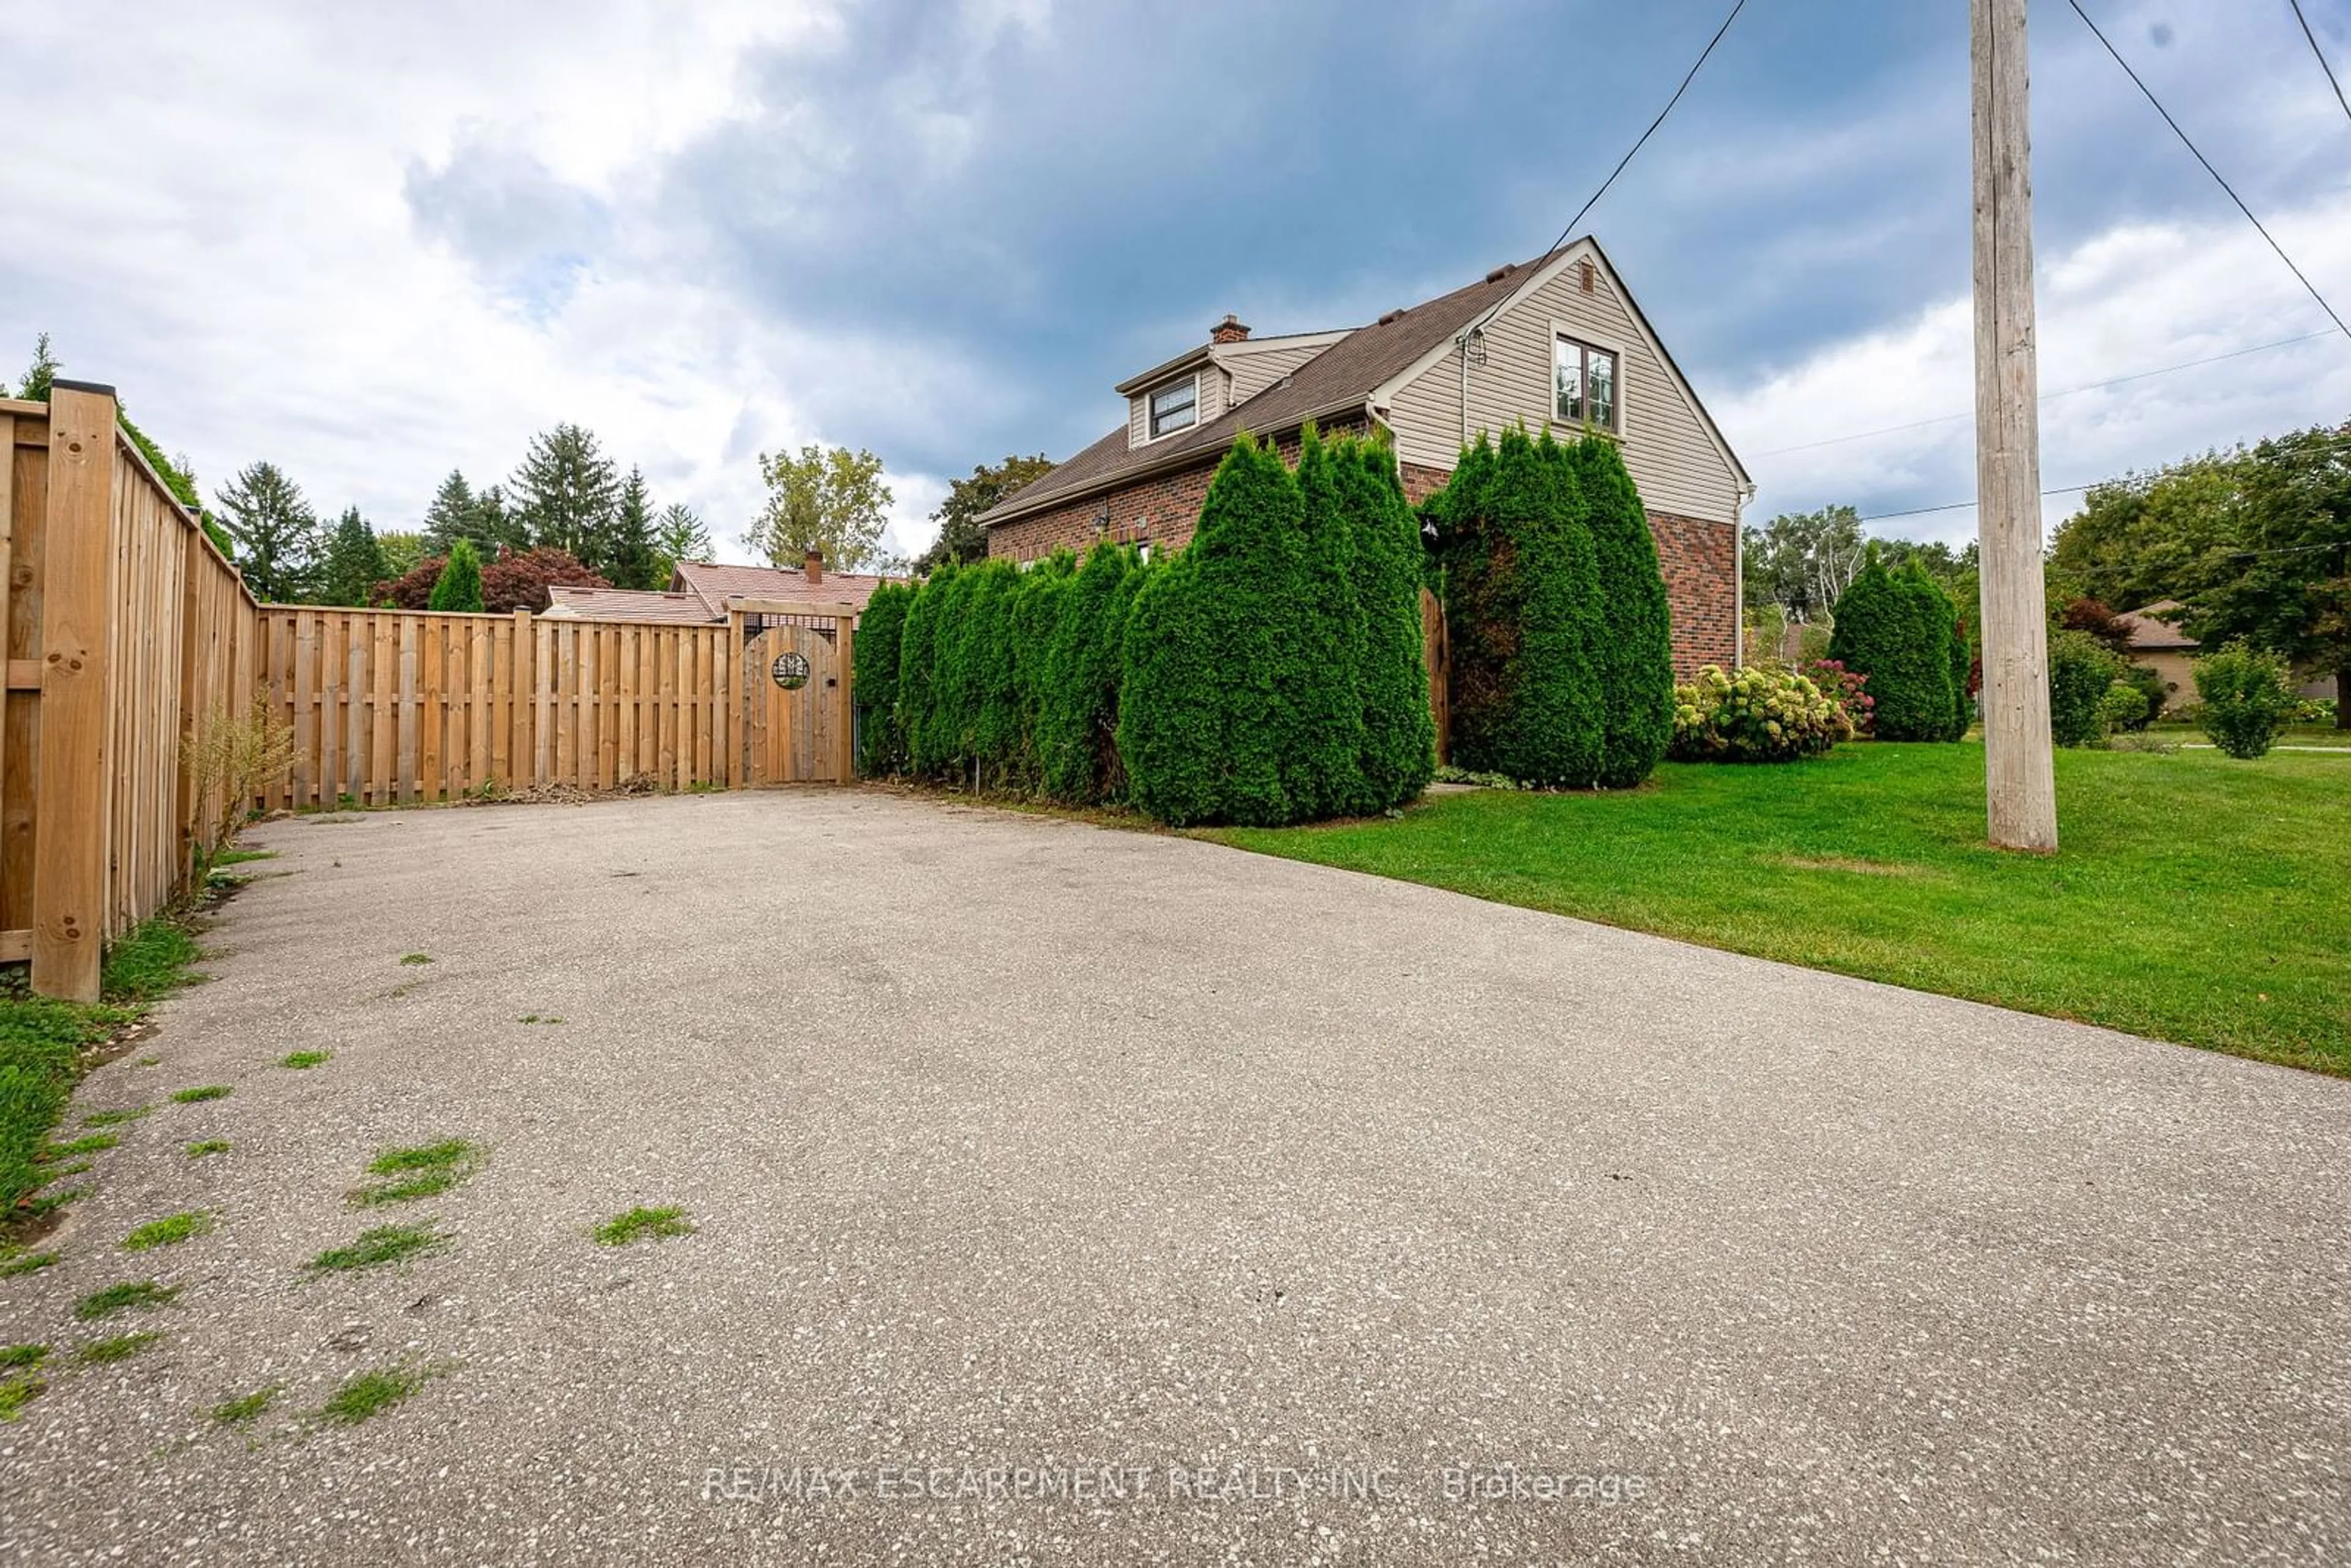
[
  {"x": 1899, "y": 629},
  {"x": 1271, "y": 673}
]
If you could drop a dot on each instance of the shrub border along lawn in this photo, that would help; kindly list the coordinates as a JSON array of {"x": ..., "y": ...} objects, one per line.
[
  {"x": 45, "y": 1047},
  {"x": 2193, "y": 898}
]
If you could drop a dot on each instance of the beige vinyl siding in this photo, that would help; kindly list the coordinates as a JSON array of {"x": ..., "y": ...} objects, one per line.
[
  {"x": 1677, "y": 466},
  {"x": 1212, "y": 403},
  {"x": 1254, "y": 370}
]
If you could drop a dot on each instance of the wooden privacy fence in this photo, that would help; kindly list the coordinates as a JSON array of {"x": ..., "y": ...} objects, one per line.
[
  {"x": 396, "y": 706},
  {"x": 125, "y": 627},
  {"x": 403, "y": 706}
]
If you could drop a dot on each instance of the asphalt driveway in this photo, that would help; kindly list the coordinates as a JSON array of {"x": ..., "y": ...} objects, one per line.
[{"x": 1067, "y": 1194}]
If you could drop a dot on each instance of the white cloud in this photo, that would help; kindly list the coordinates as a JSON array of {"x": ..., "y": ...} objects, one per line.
[
  {"x": 2135, "y": 299},
  {"x": 211, "y": 211}
]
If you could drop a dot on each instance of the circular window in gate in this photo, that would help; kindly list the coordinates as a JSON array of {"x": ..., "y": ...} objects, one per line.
[{"x": 790, "y": 671}]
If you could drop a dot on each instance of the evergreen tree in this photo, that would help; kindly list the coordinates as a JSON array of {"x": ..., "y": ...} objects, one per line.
[
  {"x": 40, "y": 374},
  {"x": 1399, "y": 753},
  {"x": 1637, "y": 644},
  {"x": 276, "y": 533},
  {"x": 881, "y": 632},
  {"x": 1523, "y": 606},
  {"x": 678, "y": 535},
  {"x": 630, "y": 560},
  {"x": 1077, "y": 715},
  {"x": 354, "y": 563},
  {"x": 1039, "y": 608},
  {"x": 453, "y": 516},
  {"x": 1201, "y": 712},
  {"x": 1890, "y": 630},
  {"x": 498, "y": 524},
  {"x": 1321, "y": 684},
  {"x": 918, "y": 669},
  {"x": 459, "y": 586},
  {"x": 565, "y": 495}
]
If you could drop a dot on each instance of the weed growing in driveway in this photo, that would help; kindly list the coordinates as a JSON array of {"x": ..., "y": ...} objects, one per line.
[
  {"x": 59, "y": 1172},
  {"x": 92, "y": 1144},
  {"x": 116, "y": 1118},
  {"x": 123, "y": 1296},
  {"x": 28, "y": 1263},
  {"x": 21, "y": 1356},
  {"x": 48, "y": 1203},
  {"x": 238, "y": 857},
  {"x": 121, "y": 1347},
  {"x": 642, "y": 1224},
  {"x": 538, "y": 1018},
  {"x": 239, "y": 1411},
  {"x": 18, "y": 1391},
  {"x": 417, "y": 958},
  {"x": 197, "y": 1151},
  {"x": 377, "y": 1247},
  {"x": 427, "y": 1170},
  {"x": 368, "y": 1394},
  {"x": 151, "y": 1061},
  {"x": 168, "y": 1231},
  {"x": 298, "y": 1060},
  {"x": 198, "y": 1096}
]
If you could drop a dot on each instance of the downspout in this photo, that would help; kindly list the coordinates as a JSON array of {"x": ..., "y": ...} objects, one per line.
[{"x": 1744, "y": 494}]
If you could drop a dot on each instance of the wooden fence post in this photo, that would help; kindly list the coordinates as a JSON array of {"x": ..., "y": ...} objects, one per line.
[{"x": 75, "y": 774}]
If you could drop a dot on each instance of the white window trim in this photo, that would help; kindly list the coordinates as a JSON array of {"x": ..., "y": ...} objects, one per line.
[
  {"x": 1150, "y": 392},
  {"x": 1572, "y": 333}
]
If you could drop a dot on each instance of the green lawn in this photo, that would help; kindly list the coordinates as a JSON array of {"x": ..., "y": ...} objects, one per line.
[{"x": 2195, "y": 898}]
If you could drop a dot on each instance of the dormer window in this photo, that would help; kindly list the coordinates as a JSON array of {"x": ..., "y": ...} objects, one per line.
[{"x": 1175, "y": 406}]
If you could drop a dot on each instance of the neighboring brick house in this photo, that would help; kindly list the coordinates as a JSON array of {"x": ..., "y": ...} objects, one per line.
[
  {"x": 1557, "y": 342},
  {"x": 699, "y": 592}
]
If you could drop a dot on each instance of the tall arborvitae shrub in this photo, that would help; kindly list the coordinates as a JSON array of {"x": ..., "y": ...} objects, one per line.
[
  {"x": 1636, "y": 646},
  {"x": 1320, "y": 650},
  {"x": 1523, "y": 609},
  {"x": 1399, "y": 737},
  {"x": 919, "y": 673},
  {"x": 459, "y": 586},
  {"x": 1038, "y": 607},
  {"x": 1963, "y": 665},
  {"x": 986, "y": 707},
  {"x": 1892, "y": 631},
  {"x": 1077, "y": 710},
  {"x": 1201, "y": 716},
  {"x": 881, "y": 628}
]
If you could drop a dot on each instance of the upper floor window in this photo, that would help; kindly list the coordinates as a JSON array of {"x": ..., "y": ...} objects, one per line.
[
  {"x": 1584, "y": 381},
  {"x": 1175, "y": 405}
]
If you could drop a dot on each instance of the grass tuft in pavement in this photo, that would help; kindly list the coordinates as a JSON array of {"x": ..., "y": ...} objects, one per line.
[
  {"x": 168, "y": 1231},
  {"x": 121, "y": 1347},
  {"x": 245, "y": 1408},
  {"x": 94, "y": 1144},
  {"x": 427, "y": 1170},
  {"x": 641, "y": 1225},
  {"x": 199, "y": 1095},
  {"x": 141, "y": 1294},
  {"x": 302, "y": 1060},
  {"x": 27, "y": 1263},
  {"x": 369, "y": 1394},
  {"x": 18, "y": 1391},
  {"x": 379, "y": 1246},
  {"x": 16, "y": 1356},
  {"x": 417, "y": 958},
  {"x": 116, "y": 1118},
  {"x": 203, "y": 1146}
]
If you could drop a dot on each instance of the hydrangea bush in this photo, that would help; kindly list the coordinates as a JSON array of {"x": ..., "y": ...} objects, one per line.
[{"x": 1755, "y": 715}]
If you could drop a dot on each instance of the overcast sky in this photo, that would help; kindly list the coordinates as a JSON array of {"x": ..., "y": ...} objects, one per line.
[{"x": 372, "y": 244}]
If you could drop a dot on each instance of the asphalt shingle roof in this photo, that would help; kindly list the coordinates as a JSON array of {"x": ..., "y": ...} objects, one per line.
[{"x": 1339, "y": 379}]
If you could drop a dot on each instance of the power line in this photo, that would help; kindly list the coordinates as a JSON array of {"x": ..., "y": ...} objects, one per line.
[
  {"x": 2046, "y": 397},
  {"x": 1623, "y": 162},
  {"x": 1964, "y": 506},
  {"x": 2331, "y": 79},
  {"x": 2224, "y": 185}
]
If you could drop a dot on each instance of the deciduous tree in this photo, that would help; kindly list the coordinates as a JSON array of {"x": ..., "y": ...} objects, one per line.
[
  {"x": 832, "y": 499},
  {"x": 961, "y": 539}
]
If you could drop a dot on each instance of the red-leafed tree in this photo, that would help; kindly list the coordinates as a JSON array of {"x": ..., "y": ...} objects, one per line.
[{"x": 515, "y": 581}]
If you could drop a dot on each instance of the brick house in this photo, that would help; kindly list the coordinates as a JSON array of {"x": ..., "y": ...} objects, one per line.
[{"x": 1556, "y": 342}]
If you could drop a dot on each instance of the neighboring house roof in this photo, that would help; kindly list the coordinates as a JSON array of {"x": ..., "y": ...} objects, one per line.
[
  {"x": 715, "y": 584},
  {"x": 565, "y": 602},
  {"x": 2149, "y": 634},
  {"x": 1361, "y": 368}
]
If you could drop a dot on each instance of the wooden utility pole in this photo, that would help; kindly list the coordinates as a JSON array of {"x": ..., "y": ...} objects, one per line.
[{"x": 2020, "y": 786}]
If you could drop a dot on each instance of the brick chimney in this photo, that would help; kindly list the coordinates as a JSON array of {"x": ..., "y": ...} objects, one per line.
[
  {"x": 1229, "y": 330},
  {"x": 815, "y": 564}
]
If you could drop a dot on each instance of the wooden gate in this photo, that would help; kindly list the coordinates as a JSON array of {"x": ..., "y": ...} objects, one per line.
[{"x": 795, "y": 674}]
